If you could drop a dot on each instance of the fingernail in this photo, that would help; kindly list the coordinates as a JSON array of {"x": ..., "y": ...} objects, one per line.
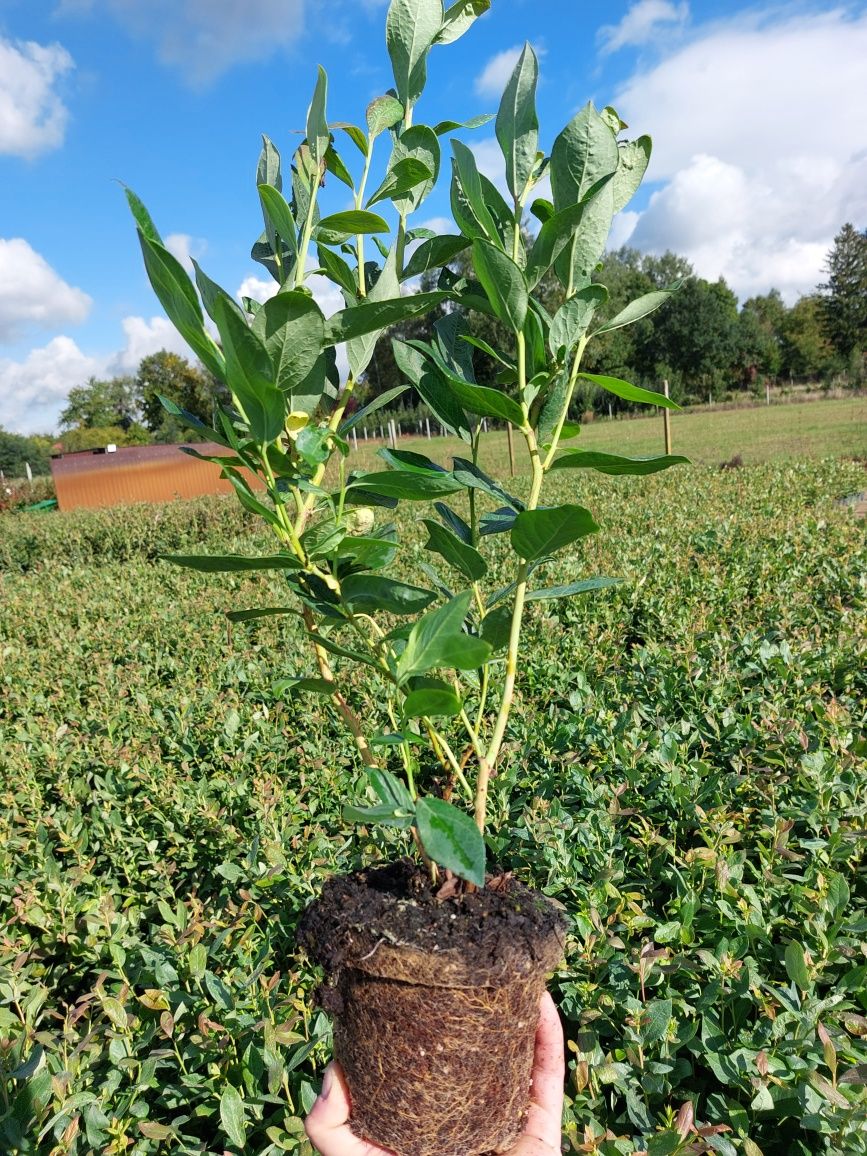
[{"x": 327, "y": 1083}]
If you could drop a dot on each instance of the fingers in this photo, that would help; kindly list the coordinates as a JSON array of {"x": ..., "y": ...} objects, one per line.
[
  {"x": 545, "y": 1117},
  {"x": 327, "y": 1124}
]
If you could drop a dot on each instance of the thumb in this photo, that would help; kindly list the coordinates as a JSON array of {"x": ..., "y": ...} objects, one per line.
[{"x": 327, "y": 1124}]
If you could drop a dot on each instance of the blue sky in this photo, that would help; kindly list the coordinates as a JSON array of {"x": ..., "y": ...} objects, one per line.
[{"x": 758, "y": 114}]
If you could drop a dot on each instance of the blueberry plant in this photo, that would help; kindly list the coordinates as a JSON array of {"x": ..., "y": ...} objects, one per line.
[{"x": 440, "y": 659}]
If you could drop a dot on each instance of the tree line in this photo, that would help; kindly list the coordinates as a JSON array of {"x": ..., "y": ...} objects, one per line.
[{"x": 702, "y": 343}]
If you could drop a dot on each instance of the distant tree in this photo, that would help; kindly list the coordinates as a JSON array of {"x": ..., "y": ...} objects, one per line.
[
  {"x": 761, "y": 325},
  {"x": 692, "y": 340},
  {"x": 101, "y": 403},
  {"x": 844, "y": 294},
  {"x": 805, "y": 350},
  {"x": 97, "y": 437},
  {"x": 189, "y": 386},
  {"x": 17, "y": 451}
]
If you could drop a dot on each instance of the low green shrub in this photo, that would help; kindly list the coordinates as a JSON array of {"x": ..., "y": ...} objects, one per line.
[{"x": 684, "y": 772}]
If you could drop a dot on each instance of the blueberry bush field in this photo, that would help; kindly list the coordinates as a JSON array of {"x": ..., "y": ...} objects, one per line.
[{"x": 684, "y": 771}]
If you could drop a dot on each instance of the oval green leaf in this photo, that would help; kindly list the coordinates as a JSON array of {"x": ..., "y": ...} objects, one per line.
[{"x": 451, "y": 839}]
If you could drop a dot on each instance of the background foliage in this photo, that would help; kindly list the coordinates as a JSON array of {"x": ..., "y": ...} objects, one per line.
[{"x": 685, "y": 772}]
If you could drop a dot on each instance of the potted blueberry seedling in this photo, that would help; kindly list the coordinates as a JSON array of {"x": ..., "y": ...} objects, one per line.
[{"x": 434, "y": 968}]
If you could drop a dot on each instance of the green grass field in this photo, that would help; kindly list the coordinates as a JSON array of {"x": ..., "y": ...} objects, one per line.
[
  {"x": 684, "y": 772},
  {"x": 835, "y": 428}
]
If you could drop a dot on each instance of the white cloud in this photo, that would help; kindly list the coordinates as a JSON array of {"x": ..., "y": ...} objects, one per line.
[
  {"x": 641, "y": 24},
  {"x": 33, "y": 391},
  {"x": 32, "y": 294},
  {"x": 185, "y": 247},
  {"x": 257, "y": 288},
  {"x": 761, "y": 174},
  {"x": 32, "y": 116},
  {"x": 494, "y": 77},
  {"x": 204, "y": 38}
]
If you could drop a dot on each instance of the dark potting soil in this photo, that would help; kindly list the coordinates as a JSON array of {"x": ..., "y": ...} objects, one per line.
[
  {"x": 433, "y": 992},
  {"x": 396, "y": 905}
]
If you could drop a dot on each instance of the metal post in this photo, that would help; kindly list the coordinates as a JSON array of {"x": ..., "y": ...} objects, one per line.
[
  {"x": 666, "y": 420},
  {"x": 511, "y": 449}
]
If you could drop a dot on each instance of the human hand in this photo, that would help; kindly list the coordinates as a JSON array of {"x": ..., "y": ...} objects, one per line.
[{"x": 328, "y": 1128}]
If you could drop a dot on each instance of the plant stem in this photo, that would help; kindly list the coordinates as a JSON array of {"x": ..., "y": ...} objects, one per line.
[
  {"x": 359, "y": 204},
  {"x": 487, "y": 765},
  {"x": 301, "y": 267},
  {"x": 573, "y": 378},
  {"x": 344, "y": 709},
  {"x": 439, "y": 741}
]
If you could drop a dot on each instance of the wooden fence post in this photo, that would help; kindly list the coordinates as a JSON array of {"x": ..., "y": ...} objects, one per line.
[
  {"x": 511, "y": 449},
  {"x": 666, "y": 418}
]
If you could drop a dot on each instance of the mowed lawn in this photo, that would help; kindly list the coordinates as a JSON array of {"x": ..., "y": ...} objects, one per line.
[{"x": 817, "y": 429}]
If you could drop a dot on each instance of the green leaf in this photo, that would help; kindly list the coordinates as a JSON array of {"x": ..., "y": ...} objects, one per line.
[
  {"x": 614, "y": 464},
  {"x": 382, "y": 813},
  {"x": 373, "y": 316},
  {"x": 248, "y": 374},
  {"x": 473, "y": 478},
  {"x": 366, "y": 592},
  {"x": 334, "y": 164},
  {"x": 446, "y": 126},
  {"x": 459, "y": 17},
  {"x": 378, "y": 402},
  {"x": 503, "y": 282},
  {"x": 454, "y": 522},
  {"x": 304, "y": 686},
  {"x": 634, "y": 159},
  {"x": 451, "y": 839},
  {"x": 433, "y": 700},
  {"x": 518, "y": 124},
  {"x": 629, "y": 392},
  {"x": 555, "y": 235},
  {"x": 389, "y": 789},
  {"x": 210, "y": 292},
  {"x": 367, "y": 553},
  {"x": 232, "y": 1116},
  {"x": 584, "y": 152},
  {"x": 497, "y": 627},
  {"x": 433, "y": 390},
  {"x": 438, "y": 640},
  {"x": 382, "y": 113},
  {"x": 401, "y": 179},
  {"x": 572, "y": 319},
  {"x": 261, "y": 612},
  {"x": 411, "y": 27},
  {"x": 637, "y": 309},
  {"x": 142, "y": 217},
  {"x": 318, "y": 136},
  {"x": 336, "y": 228},
  {"x": 655, "y": 1019},
  {"x": 191, "y": 420},
  {"x": 796, "y": 967},
  {"x": 477, "y": 399},
  {"x": 433, "y": 254},
  {"x": 278, "y": 215},
  {"x": 268, "y": 165},
  {"x": 176, "y": 294},
  {"x": 292, "y": 329},
  {"x": 585, "y": 586},
  {"x": 463, "y": 557},
  {"x": 232, "y": 563},
  {"x": 540, "y": 533},
  {"x": 420, "y": 144},
  {"x": 413, "y": 487},
  {"x": 469, "y": 207}
]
